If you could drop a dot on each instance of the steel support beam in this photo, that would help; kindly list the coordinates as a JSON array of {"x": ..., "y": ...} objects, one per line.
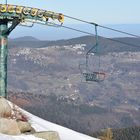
[{"x": 3, "y": 58}]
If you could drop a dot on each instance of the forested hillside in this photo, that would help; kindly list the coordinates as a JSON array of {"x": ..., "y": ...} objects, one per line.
[
  {"x": 44, "y": 78},
  {"x": 65, "y": 112},
  {"x": 130, "y": 133}
]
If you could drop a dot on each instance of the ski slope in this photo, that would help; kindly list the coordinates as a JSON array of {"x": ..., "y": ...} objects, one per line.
[{"x": 42, "y": 125}]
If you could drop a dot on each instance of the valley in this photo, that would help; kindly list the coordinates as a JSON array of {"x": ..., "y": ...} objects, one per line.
[{"x": 43, "y": 71}]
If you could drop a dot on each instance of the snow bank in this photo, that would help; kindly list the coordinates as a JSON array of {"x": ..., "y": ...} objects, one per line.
[
  {"x": 42, "y": 125},
  {"x": 65, "y": 134},
  {"x": 21, "y": 137}
]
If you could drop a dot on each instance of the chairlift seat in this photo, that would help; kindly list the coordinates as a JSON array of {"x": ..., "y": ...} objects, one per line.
[{"x": 95, "y": 76}]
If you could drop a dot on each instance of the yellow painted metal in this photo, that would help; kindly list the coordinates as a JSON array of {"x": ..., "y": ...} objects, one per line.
[
  {"x": 30, "y": 13},
  {"x": 34, "y": 12},
  {"x": 3, "y": 8},
  {"x": 61, "y": 18},
  {"x": 18, "y": 9},
  {"x": 10, "y": 8}
]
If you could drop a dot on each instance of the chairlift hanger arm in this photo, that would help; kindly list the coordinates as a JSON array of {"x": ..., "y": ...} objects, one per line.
[{"x": 97, "y": 41}]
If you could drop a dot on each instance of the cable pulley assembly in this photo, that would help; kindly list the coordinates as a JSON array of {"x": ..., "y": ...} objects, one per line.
[{"x": 28, "y": 14}]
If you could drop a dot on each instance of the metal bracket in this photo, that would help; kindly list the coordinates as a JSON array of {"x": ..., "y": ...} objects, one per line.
[{"x": 15, "y": 22}]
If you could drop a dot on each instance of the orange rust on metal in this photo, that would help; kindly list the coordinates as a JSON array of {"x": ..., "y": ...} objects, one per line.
[{"x": 3, "y": 41}]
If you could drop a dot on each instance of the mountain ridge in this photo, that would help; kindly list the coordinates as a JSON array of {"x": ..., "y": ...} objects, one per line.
[
  {"x": 105, "y": 45},
  {"x": 24, "y": 38}
]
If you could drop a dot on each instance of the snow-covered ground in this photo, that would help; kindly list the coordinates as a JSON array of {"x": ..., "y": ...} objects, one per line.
[
  {"x": 21, "y": 137},
  {"x": 42, "y": 125}
]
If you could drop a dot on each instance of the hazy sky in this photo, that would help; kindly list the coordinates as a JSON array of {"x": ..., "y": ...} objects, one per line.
[{"x": 99, "y": 11}]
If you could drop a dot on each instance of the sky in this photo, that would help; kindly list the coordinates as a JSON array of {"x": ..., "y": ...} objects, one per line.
[{"x": 100, "y": 11}]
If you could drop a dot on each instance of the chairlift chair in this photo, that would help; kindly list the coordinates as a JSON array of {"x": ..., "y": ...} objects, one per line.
[{"x": 88, "y": 75}]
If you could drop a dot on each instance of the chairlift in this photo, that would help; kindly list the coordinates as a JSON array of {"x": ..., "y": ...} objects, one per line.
[{"x": 87, "y": 73}]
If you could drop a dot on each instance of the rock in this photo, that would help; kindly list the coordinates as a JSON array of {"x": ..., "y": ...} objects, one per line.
[
  {"x": 30, "y": 132},
  {"x": 9, "y": 127},
  {"x": 18, "y": 115},
  {"x": 47, "y": 135},
  {"x": 5, "y": 108},
  {"x": 24, "y": 126}
]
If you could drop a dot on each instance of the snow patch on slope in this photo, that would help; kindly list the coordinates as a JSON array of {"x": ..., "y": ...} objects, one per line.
[
  {"x": 21, "y": 137},
  {"x": 65, "y": 134},
  {"x": 42, "y": 125}
]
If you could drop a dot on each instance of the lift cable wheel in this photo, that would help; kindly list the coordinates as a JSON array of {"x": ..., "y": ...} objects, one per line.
[{"x": 28, "y": 14}]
